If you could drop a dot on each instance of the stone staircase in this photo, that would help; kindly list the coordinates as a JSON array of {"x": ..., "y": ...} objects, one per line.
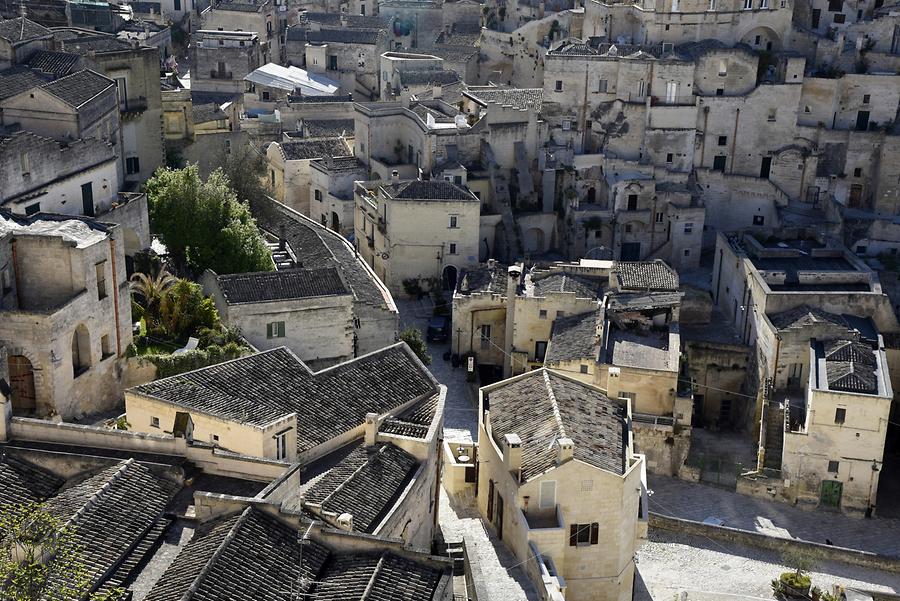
[
  {"x": 774, "y": 435},
  {"x": 512, "y": 236}
]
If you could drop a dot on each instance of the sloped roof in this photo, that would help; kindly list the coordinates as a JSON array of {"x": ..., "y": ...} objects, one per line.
[
  {"x": 22, "y": 29},
  {"x": 850, "y": 366},
  {"x": 483, "y": 279},
  {"x": 78, "y": 88},
  {"x": 20, "y": 79},
  {"x": 365, "y": 484},
  {"x": 581, "y": 286},
  {"x": 518, "y": 98},
  {"x": 57, "y": 64},
  {"x": 645, "y": 275},
  {"x": 414, "y": 422},
  {"x": 805, "y": 315},
  {"x": 265, "y": 286},
  {"x": 329, "y": 127},
  {"x": 573, "y": 337},
  {"x": 22, "y": 482},
  {"x": 261, "y": 388},
  {"x": 299, "y": 150},
  {"x": 292, "y": 79},
  {"x": 429, "y": 190},
  {"x": 542, "y": 406}
]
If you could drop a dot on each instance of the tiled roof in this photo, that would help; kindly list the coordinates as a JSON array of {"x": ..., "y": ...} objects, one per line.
[
  {"x": 98, "y": 44},
  {"x": 320, "y": 128},
  {"x": 518, "y": 98},
  {"x": 19, "y": 79},
  {"x": 352, "y": 21},
  {"x": 339, "y": 164},
  {"x": 574, "y": 337},
  {"x": 78, "y": 88},
  {"x": 429, "y": 190},
  {"x": 805, "y": 315},
  {"x": 365, "y": 484},
  {"x": 263, "y": 286},
  {"x": 261, "y": 388},
  {"x": 483, "y": 279},
  {"x": 542, "y": 406},
  {"x": 645, "y": 275},
  {"x": 414, "y": 422},
  {"x": 21, "y": 30},
  {"x": 461, "y": 34},
  {"x": 574, "y": 49},
  {"x": 344, "y": 36},
  {"x": 245, "y": 6},
  {"x": 204, "y": 113},
  {"x": 57, "y": 64},
  {"x": 315, "y": 246},
  {"x": 429, "y": 76},
  {"x": 22, "y": 483},
  {"x": 111, "y": 512},
  {"x": 850, "y": 366},
  {"x": 315, "y": 149},
  {"x": 255, "y": 556},
  {"x": 581, "y": 286}
]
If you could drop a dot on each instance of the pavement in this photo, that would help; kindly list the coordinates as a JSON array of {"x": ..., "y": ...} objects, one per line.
[{"x": 686, "y": 500}]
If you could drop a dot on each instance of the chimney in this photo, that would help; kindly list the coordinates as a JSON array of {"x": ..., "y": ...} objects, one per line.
[
  {"x": 612, "y": 383},
  {"x": 438, "y": 91},
  {"x": 371, "y": 427},
  {"x": 565, "y": 450},
  {"x": 405, "y": 97},
  {"x": 345, "y": 522},
  {"x": 512, "y": 454},
  {"x": 514, "y": 274},
  {"x": 395, "y": 176}
]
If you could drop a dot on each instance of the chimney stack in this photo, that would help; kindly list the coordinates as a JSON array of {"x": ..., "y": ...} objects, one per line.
[
  {"x": 512, "y": 454},
  {"x": 565, "y": 450},
  {"x": 438, "y": 91},
  {"x": 395, "y": 176},
  {"x": 371, "y": 427}
]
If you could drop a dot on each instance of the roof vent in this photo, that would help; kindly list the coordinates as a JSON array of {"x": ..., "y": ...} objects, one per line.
[{"x": 345, "y": 521}]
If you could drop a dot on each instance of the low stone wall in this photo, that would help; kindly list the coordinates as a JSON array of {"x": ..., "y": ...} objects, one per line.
[
  {"x": 137, "y": 371},
  {"x": 773, "y": 543}
]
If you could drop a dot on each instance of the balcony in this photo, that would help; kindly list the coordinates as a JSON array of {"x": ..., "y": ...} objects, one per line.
[
  {"x": 686, "y": 100},
  {"x": 543, "y": 519}
]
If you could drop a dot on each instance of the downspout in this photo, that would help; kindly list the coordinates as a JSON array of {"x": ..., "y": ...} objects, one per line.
[
  {"x": 737, "y": 116},
  {"x": 437, "y": 481},
  {"x": 112, "y": 252}
]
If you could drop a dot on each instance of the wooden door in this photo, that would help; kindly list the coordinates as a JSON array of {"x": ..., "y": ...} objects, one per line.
[
  {"x": 831, "y": 493},
  {"x": 21, "y": 376}
]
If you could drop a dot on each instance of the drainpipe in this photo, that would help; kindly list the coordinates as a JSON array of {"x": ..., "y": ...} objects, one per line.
[
  {"x": 112, "y": 253},
  {"x": 737, "y": 116}
]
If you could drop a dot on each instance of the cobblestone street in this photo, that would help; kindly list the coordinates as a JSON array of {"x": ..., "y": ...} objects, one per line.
[{"x": 697, "y": 502}]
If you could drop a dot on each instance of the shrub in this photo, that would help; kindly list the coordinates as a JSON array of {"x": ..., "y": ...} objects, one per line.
[
  {"x": 172, "y": 365},
  {"x": 413, "y": 338}
]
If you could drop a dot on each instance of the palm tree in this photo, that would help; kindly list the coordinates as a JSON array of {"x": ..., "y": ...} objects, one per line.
[{"x": 149, "y": 292}]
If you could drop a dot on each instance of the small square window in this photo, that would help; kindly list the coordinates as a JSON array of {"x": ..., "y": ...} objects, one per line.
[
  {"x": 215, "y": 438},
  {"x": 627, "y": 228},
  {"x": 687, "y": 252},
  {"x": 670, "y": 157},
  {"x": 688, "y": 228},
  {"x": 453, "y": 248},
  {"x": 840, "y": 415},
  {"x": 559, "y": 85},
  {"x": 542, "y": 314},
  {"x": 861, "y": 249},
  {"x": 840, "y": 18},
  {"x": 723, "y": 140},
  {"x": 720, "y": 91},
  {"x": 866, "y": 98},
  {"x": 773, "y": 115},
  {"x": 857, "y": 172},
  {"x": 154, "y": 422},
  {"x": 454, "y": 221},
  {"x": 602, "y": 87},
  {"x": 758, "y": 220},
  {"x": 275, "y": 329},
  {"x": 584, "y": 369},
  {"x": 833, "y": 466},
  {"x": 32, "y": 209}
]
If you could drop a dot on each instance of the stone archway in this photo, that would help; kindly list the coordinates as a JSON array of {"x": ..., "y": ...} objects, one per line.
[
  {"x": 21, "y": 381},
  {"x": 762, "y": 37},
  {"x": 448, "y": 277}
]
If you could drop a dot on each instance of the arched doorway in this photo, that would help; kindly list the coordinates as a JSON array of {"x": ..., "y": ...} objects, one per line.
[
  {"x": 448, "y": 277},
  {"x": 335, "y": 222},
  {"x": 21, "y": 380}
]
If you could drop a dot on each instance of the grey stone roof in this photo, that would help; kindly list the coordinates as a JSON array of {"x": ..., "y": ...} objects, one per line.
[
  {"x": 428, "y": 190},
  {"x": 78, "y": 88},
  {"x": 320, "y": 128},
  {"x": 20, "y": 79},
  {"x": 112, "y": 512},
  {"x": 352, "y": 21},
  {"x": 574, "y": 49},
  {"x": 21, "y": 30},
  {"x": 519, "y": 98},
  {"x": 56, "y": 64},
  {"x": 644, "y": 350},
  {"x": 98, "y": 44},
  {"x": 414, "y": 422},
  {"x": 645, "y": 275},
  {"x": 542, "y": 406},
  {"x": 461, "y": 34},
  {"x": 429, "y": 76},
  {"x": 261, "y": 388},
  {"x": 204, "y": 113},
  {"x": 850, "y": 366},
  {"x": 365, "y": 484},
  {"x": 264, "y": 286},
  {"x": 805, "y": 315},
  {"x": 339, "y": 164},
  {"x": 582, "y": 286},
  {"x": 245, "y": 6},
  {"x": 344, "y": 36},
  {"x": 315, "y": 246},
  {"x": 483, "y": 279},
  {"x": 574, "y": 337},
  {"x": 255, "y": 556},
  {"x": 22, "y": 482},
  {"x": 315, "y": 149}
]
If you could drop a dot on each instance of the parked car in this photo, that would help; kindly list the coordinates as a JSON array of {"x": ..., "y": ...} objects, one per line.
[{"x": 438, "y": 329}]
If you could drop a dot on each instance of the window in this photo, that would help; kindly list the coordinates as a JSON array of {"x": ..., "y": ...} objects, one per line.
[
  {"x": 758, "y": 220},
  {"x": 840, "y": 415},
  {"x": 583, "y": 368},
  {"x": 542, "y": 314},
  {"x": 32, "y": 209},
  {"x": 687, "y": 252},
  {"x": 454, "y": 222},
  {"x": 317, "y": 194},
  {"x": 670, "y": 157},
  {"x": 628, "y": 228},
  {"x": 154, "y": 422},
  {"x": 604, "y": 84},
  {"x": 833, "y": 466},
  {"x": 857, "y": 172},
  {"x": 723, "y": 140},
  {"x": 540, "y": 350},
  {"x": 548, "y": 495},
  {"x": 764, "y": 4},
  {"x": 835, "y": 6},
  {"x": 485, "y": 336},
  {"x": 581, "y": 535},
  {"x": 453, "y": 248},
  {"x": 671, "y": 91},
  {"x": 132, "y": 165},
  {"x": 265, "y": 96},
  {"x": 720, "y": 91},
  {"x": 675, "y": 6},
  {"x": 748, "y": 4},
  {"x": 587, "y": 485},
  {"x": 712, "y": 5},
  {"x": 631, "y": 396},
  {"x": 840, "y": 18},
  {"x": 105, "y": 346},
  {"x": 332, "y": 63},
  {"x": 559, "y": 85},
  {"x": 26, "y": 164},
  {"x": 632, "y": 202},
  {"x": 861, "y": 249},
  {"x": 281, "y": 446},
  {"x": 214, "y": 438},
  {"x": 275, "y": 329},
  {"x": 866, "y": 98},
  {"x": 688, "y": 228},
  {"x": 659, "y": 217},
  {"x": 100, "y": 269},
  {"x": 227, "y": 146},
  {"x": 362, "y": 10},
  {"x": 719, "y": 162},
  {"x": 177, "y": 4}
]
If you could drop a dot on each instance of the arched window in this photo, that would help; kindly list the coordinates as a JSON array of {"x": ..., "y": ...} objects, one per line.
[{"x": 81, "y": 350}]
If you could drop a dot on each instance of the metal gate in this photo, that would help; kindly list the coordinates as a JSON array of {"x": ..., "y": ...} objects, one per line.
[{"x": 718, "y": 471}]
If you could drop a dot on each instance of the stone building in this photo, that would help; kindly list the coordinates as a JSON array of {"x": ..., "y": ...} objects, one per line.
[
  {"x": 257, "y": 16},
  {"x": 417, "y": 232},
  {"x": 66, "y": 314},
  {"x": 560, "y": 484},
  {"x": 290, "y": 171},
  {"x": 331, "y": 189},
  {"x": 222, "y": 59},
  {"x": 20, "y": 38}
]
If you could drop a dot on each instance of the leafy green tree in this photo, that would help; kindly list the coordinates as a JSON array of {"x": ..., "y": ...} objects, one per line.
[
  {"x": 202, "y": 223},
  {"x": 184, "y": 310},
  {"x": 40, "y": 559},
  {"x": 148, "y": 292},
  {"x": 413, "y": 338},
  {"x": 246, "y": 170}
]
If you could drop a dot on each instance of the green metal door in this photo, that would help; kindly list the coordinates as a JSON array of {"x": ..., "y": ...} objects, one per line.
[{"x": 831, "y": 493}]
